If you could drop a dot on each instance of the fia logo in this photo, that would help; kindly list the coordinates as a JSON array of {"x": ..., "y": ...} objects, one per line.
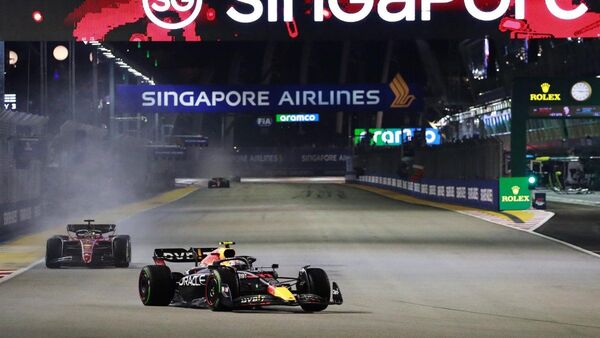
[
  {"x": 264, "y": 121},
  {"x": 162, "y": 6}
]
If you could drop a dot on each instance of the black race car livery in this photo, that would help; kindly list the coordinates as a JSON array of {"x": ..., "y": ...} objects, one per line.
[{"x": 221, "y": 280}]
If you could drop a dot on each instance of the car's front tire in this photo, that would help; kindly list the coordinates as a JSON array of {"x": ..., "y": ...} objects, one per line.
[
  {"x": 122, "y": 251},
  {"x": 156, "y": 286},
  {"x": 53, "y": 252},
  {"x": 214, "y": 282},
  {"x": 314, "y": 281}
]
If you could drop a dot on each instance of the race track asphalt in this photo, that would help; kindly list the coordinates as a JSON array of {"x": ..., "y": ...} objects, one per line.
[
  {"x": 404, "y": 271},
  {"x": 575, "y": 224}
]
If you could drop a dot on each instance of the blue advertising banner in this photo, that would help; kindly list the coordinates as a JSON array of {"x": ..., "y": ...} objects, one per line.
[
  {"x": 268, "y": 99},
  {"x": 265, "y": 162},
  {"x": 481, "y": 194}
]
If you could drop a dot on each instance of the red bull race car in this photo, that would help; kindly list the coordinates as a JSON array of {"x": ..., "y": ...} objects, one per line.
[
  {"x": 221, "y": 280},
  {"x": 89, "y": 245}
]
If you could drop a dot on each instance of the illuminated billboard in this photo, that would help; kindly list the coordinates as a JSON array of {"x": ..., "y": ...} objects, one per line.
[
  {"x": 393, "y": 137},
  {"x": 396, "y": 95},
  {"x": 562, "y": 98},
  {"x": 291, "y": 118},
  {"x": 212, "y": 20}
]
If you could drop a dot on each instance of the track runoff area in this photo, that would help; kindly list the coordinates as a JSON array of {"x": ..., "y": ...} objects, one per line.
[{"x": 404, "y": 270}]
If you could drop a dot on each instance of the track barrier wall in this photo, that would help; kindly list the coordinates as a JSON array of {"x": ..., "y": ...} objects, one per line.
[
  {"x": 20, "y": 168},
  {"x": 482, "y": 194}
]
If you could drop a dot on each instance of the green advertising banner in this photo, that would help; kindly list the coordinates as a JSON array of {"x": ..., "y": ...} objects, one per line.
[
  {"x": 514, "y": 193},
  {"x": 391, "y": 137}
]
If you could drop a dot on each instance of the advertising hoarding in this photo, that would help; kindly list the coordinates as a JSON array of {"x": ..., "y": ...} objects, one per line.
[
  {"x": 562, "y": 98},
  {"x": 514, "y": 193},
  {"x": 296, "y": 118},
  {"x": 268, "y": 99},
  {"x": 481, "y": 194},
  {"x": 392, "y": 137},
  {"x": 265, "y": 162},
  {"x": 212, "y": 20}
]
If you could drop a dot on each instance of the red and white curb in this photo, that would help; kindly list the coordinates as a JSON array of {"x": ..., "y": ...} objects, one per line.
[
  {"x": 539, "y": 218},
  {"x": 5, "y": 273},
  {"x": 10, "y": 274}
]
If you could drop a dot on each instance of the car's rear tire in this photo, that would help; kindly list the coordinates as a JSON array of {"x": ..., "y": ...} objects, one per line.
[
  {"x": 122, "y": 251},
  {"x": 156, "y": 286},
  {"x": 53, "y": 252},
  {"x": 314, "y": 281},
  {"x": 214, "y": 282}
]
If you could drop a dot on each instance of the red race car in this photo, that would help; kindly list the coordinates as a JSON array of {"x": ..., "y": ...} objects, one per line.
[{"x": 88, "y": 244}]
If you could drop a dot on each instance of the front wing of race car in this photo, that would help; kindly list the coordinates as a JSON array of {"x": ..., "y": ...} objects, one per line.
[
  {"x": 266, "y": 299},
  {"x": 73, "y": 255}
]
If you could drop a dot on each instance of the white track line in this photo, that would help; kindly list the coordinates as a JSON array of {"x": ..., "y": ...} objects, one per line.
[
  {"x": 530, "y": 231},
  {"x": 567, "y": 244},
  {"x": 20, "y": 271},
  {"x": 325, "y": 179}
]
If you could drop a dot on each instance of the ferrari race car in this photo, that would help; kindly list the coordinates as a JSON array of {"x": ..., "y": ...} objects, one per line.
[
  {"x": 220, "y": 280},
  {"x": 88, "y": 245},
  {"x": 218, "y": 182}
]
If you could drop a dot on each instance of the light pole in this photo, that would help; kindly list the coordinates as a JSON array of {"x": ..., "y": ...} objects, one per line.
[
  {"x": 72, "y": 84},
  {"x": 1, "y": 75},
  {"x": 43, "y": 76},
  {"x": 111, "y": 103}
]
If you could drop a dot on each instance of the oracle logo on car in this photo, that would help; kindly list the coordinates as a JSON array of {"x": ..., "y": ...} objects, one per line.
[{"x": 192, "y": 280}]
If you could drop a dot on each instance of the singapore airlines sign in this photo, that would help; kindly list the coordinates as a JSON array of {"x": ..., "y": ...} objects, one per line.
[
  {"x": 397, "y": 95},
  {"x": 254, "y": 10}
]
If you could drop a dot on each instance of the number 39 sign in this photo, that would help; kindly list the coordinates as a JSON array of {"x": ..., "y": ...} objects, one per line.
[{"x": 182, "y": 6}]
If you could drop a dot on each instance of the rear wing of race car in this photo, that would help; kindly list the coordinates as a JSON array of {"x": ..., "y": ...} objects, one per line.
[
  {"x": 191, "y": 255},
  {"x": 180, "y": 255},
  {"x": 91, "y": 226}
]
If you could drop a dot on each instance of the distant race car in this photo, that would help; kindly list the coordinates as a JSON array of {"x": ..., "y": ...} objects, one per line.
[
  {"x": 218, "y": 182},
  {"x": 221, "y": 280},
  {"x": 89, "y": 245}
]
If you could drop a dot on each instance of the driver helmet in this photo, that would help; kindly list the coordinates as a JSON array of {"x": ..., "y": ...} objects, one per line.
[{"x": 236, "y": 263}]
